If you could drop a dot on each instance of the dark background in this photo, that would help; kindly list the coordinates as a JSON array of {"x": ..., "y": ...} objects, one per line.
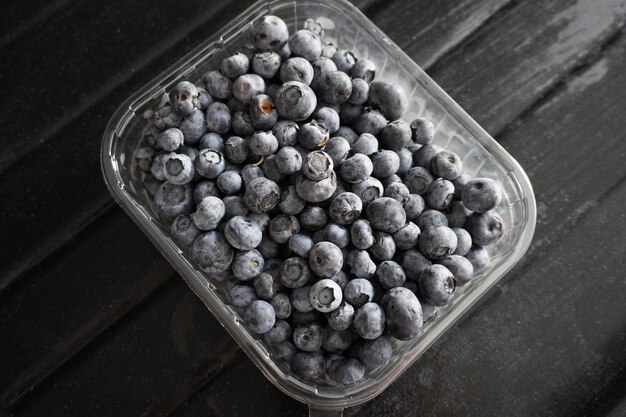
[{"x": 94, "y": 321}]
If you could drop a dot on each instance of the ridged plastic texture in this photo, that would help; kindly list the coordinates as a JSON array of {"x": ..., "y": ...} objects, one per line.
[{"x": 347, "y": 28}]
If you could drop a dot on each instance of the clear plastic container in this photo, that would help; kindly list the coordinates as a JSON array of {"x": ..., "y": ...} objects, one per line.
[{"x": 347, "y": 28}]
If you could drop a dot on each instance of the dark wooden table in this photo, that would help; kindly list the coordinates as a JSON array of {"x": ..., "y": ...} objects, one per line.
[{"x": 95, "y": 322}]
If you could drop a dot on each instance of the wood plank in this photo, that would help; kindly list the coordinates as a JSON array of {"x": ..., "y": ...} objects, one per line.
[
  {"x": 436, "y": 28},
  {"x": 65, "y": 302},
  {"x": 142, "y": 367},
  {"x": 522, "y": 53}
]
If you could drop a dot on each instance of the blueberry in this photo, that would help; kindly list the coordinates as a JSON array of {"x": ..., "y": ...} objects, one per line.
[
  {"x": 386, "y": 214},
  {"x": 447, "y": 164},
  {"x": 407, "y": 236},
  {"x": 282, "y": 227},
  {"x": 290, "y": 201},
  {"x": 167, "y": 117},
  {"x": 464, "y": 241},
  {"x": 456, "y": 214},
  {"x": 317, "y": 165},
  {"x": 390, "y": 274},
  {"x": 461, "y": 268},
  {"x": 279, "y": 333},
  {"x": 369, "y": 321},
  {"x": 414, "y": 207},
  {"x": 308, "y": 366},
  {"x": 184, "y": 230},
  {"x": 341, "y": 318},
  {"x": 337, "y": 341},
  {"x": 374, "y": 353},
  {"x": 295, "y": 101},
  {"x": 212, "y": 252},
  {"x": 268, "y": 248},
  {"x": 247, "y": 86},
  {"x": 481, "y": 195},
  {"x": 436, "y": 285},
  {"x": 389, "y": 98},
  {"x": 300, "y": 299},
  {"x": 229, "y": 182},
  {"x": 285, "y": 52},
  {"x": 367, "y": 144},
  {"x": 358, "y": 292},
  {"x": 371, "y": 121},
  {"x": 170, "y": 139},
  {"x": 308, "y": 337},
  {"x": 172, "y": 200},
  {"x": 428, "y": 310},
  {"x": 316, "y": 191},
  {"x": 296, "y": 69},
  {"x": 204, "y": 98},
  {"x": 282, "y": 306},
  {"x": 269, "y": 33},
  {"x": 341, "y": 279},
  {"x": 406, "y": 160},
  {"x": 313, "y": 218},
  {"x": 422, "y": 130},
  {"x": 263, "y": 113},
  {"x": 250, "y": 172},
  {"x": 368, "y": 190},
  {"x": 313, "y": 135},
  {"x": 241, "y": 123},
  {"x": 270, "y": 169},
  {"x": 325, "y": 295},
  {"x": 459, "y": 182},
  {"x": 241, "y": 296},
  {"x": 360, "y": 91},
  {"x": 345, "y": 208},
  {"x": 364, "y": 69},
  {"x": 348, "y": 372},
  {"x": 235, "y": 65},
  {"x": 328, "y": 50},
  {"x": 298, "y": 317},
  {"x": 398, "y": 191},
  {"x": 301, "y": 245},
  {"x": 218, "y": 118},
  {"x": 261, "y": 219},
  {"x": 284, "y": 352},
  {"x": 261, "y": 195},
  {"x": 338, "y": 148},
  {"x": 387, "y": 181},
  {"x": 183, "y": 98},
  {"x": 259, "y": 316},
  {"x": 263, "y": 143},
  {"x": 361, "y": 234},
  {"x": 334, "y": 87},
  {"x": 236, "y": 150},
  {"x": 211, "y": 140},
  {"x": 321, "y": 66},
  {"x": 424, "y": 155},
  {"x": 385, "y": 164},
  {"x": 242, "y": 233},
  {"x": 418, "y": 180},
  {"x": 306, "y": 44},
  {"x": 360, "y": 263},
  {"x": 178, "y": 169},
  {"x": 265, "y": 286},
  {"x": 325, "y": 259},
  {"x": 356, "y": 168},
  {"x": 235, "y": 105},
  {"x": 485, "y": 228},
  {"x": 210, "y": 163},
  {"x": 234, "y": 206},
  {"x": 327, "y": 117},
  {"x": 337, "y": 234},
  {"x": 314, "y": 26},
  {"x": 395, "y": 135},
  {"x": 193, "y": 126},
  {"x": 440, "y": 194},
  {"x": 208, "y": 213},
  {"x": 273, "y": 266},
  {"x": 205, "y": 189},
  {"x": 437, "y": 242},
  {"x": 384, "y": 247},
  {"x": 413, "y": 263},
  {"x": 286, "y": 132},
  {"x": 266, "y": 64},
  {"x": 349, "y": 113},
  {"x": 347, "y": 133},
  {"x": 295, "y": 272},
  {"x": 432, "y": 218},
  {"x": 404, "y": 313},
  {"x": 217, "y": 84}
]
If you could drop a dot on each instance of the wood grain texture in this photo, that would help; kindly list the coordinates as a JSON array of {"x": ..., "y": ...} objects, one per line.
[
  {"x": 64, "y": 303},
  {"x": 142, "y": 366},
  {"x": 520, "y": 54}
]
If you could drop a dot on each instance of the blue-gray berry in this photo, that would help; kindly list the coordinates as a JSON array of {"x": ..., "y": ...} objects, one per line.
[
  {"x": 384, "y": 247},
  {"x": 290, "y": 202},
  {"x": 261, "y": 195},
  {"x": 395, "y": 135},
  {"x": 184, "y": 230},
  {"x": 212, "y": 252},
  {"x": 361, "y": 234},
  {"x": 266, "y": 64},
  {"x": 418, "y": 180},
  {"x": 370, "y": 121},
  {"x": 338, "y": 148},
  {"x": 342, "y": 317},
  {"x": 461, "y": 268},
  {"x": 481, "y": 195},
  {"x": 286, "y": 132},
  {"x": 479, "y": 258},
  {"x": 437, "y": 242},
  {"x": 360, "y": 91},
  {"x": 356, "y": 168},
  {"x": 432, "y": 218},
  {"x": 259, "y": 317},
  {"x": 301, "y": 300},
  {"x": 172, "y": 200},
  {"x": 301, "y": 245},
  {"x": 282, "y": 227},
  {"x": 325, "y": 295},
  {"x": 307, "y": 365},
  {"x": 295, "y": 272},
  {"x": 316, "y": 191},
  {"x": 179, "y": 169},
  {"x": 308, "y": 337},
  {"x": 374, "y": 353},
  {"x": 386, "y": 214},
  {"x": 279, "y": 333},
  {"x": 325, "y": 259},
  {"x": 440, "y": 194},
  {"x": 358, "y": 292},
  {"x": 345, "y": 208},
  {"x": 170, "y": 139},
  {"x": 265, "y": 286},
  {"x": 364, "y": 69},
  {"x": 205, "y": 189},
  {"x": 334, "y": 87},
  {"x": 263, "y": 114},
  {"x": 413, "y": 263},
  {"x": 407, "y": 236},
  {"x": 313, "y": 218},
  {"x": 423, "y": 131},
  {"x": 184, "y": 97},
  {"x": 403, "y": 312},
  {"x": 389, "y": 98},
  {"x": 243, "y": 233},
  {"x": 447, "y": 165},
  {"x": 369, "y": 321},
  {"x": 398, "y": 191},
  {"x": 436, "y": 285},
  {"x": 390, "y": 274},
  {"x": 327, "y": 117},
  {"x": 235, "y": 65},
  {"x": 306, "y": 44},
  {"x": 485, "y": 228},
  {"x": 424, "y": 155},
  {"x": 241, "y": 296},
  {"x": 464, "y": 241},
  {"x": 414, "y": 207},
  {"x": 269, "y": 33},
  {"x": 368, "y": 190},
  {"x": 295, "y": 101},
  {"x": 209, "y": 213},
  {"x": 386, "y": 163},
  {"x": 282, "y": 306},
  {"x": 248, "y": 86},
  {"x": 296, "y": 69}
]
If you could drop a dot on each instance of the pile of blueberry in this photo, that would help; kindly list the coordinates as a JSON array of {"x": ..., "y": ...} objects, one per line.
[{"x": 288, "y": 175}]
